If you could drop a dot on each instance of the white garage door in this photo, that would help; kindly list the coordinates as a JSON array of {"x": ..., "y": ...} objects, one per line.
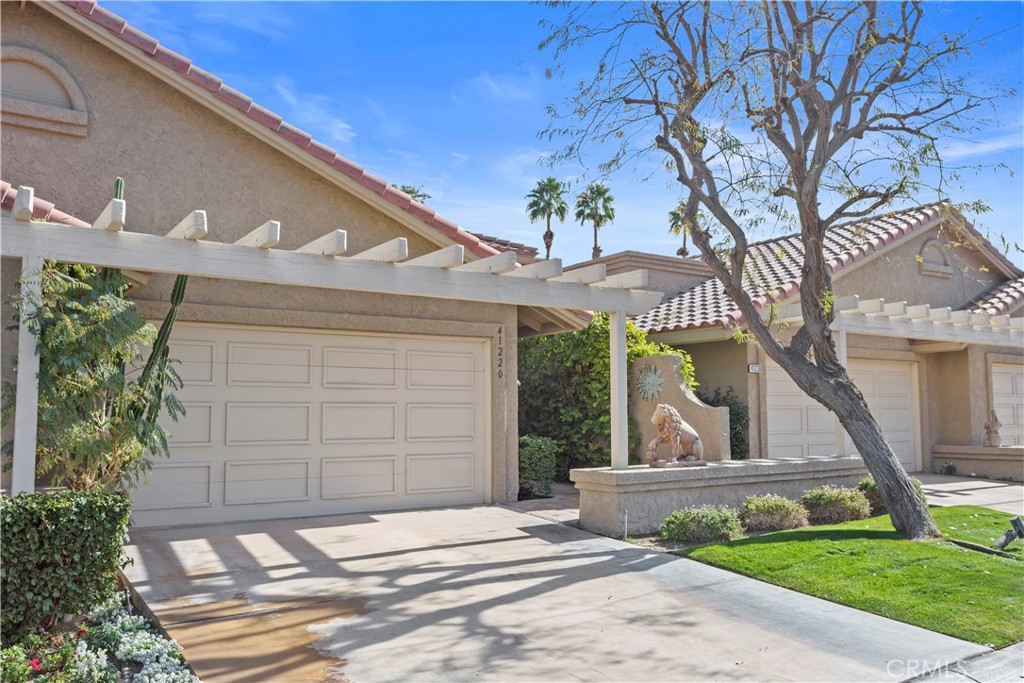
[
  {"x": 798, "y": 426},
  {"x": 1008, "y": 401},
  {"x": 293, "y": 423}
]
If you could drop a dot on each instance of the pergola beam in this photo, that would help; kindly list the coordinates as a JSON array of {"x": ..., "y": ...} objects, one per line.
[
  {"x": 448, "y": 257},
  {"x": 496, "y": 264},
  {"x": 152, "y": 253},
  {"x": 539, "y": 270},
  {"x": 192, "y": 227},
  {"x": 333, "y": 243},
  {"x": 264, "y": 237},
  {"x": 388, "y": 252},
  {"x": 586, "y": 275},
  {"x": 112, "y": 216}
]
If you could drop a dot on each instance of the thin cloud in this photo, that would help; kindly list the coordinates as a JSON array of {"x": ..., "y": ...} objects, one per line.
[
  {"x": 313, "y": 112},
  {"x": 504, "y": 88},
  {"x": 263, "y": 19},
  {"x": 522, "y": 169},
  {"x": 968, "y": 149}
]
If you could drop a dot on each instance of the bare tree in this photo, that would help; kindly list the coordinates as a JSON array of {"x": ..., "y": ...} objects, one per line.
[{"x": 803, "y": 114}]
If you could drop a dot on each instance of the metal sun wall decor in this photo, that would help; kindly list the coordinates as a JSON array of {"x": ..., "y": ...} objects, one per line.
[{"x": 649, "y": 382}]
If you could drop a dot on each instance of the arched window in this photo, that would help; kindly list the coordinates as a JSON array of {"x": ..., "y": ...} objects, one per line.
[
  {"x": 38, "y": 93},
  {"x": 933, "y": 259}
]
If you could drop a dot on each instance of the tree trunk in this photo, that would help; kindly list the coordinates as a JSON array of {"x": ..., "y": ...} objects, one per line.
[
  {"x": 908, "y": 512},
  {"x": 597, "y": 250},
  {"x": 549, "y": 237}
]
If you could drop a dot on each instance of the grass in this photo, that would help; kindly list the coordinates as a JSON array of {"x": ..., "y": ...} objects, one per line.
[{"x": 866, "y": 565}]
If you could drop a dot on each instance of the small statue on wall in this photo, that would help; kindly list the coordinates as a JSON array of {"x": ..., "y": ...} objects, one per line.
[
  {"x": 687, "y": 449},
  {"x": 992, "y": 438}
]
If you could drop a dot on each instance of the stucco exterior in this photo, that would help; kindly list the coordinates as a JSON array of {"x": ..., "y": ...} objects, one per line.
[
  {"x": 177, "y": 155},
  {"x": 952, "y": 381}
]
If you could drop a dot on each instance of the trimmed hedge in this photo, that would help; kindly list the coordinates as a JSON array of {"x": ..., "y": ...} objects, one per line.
[
  {"x": 835, "y": 504},
  {"x": 869, "y": 488},
  {"x": 772, "y": 513},
  {"x": 702, "y": 524},
  {"x": 537, "y": 458},
  {"x": 61, "y": 555}
]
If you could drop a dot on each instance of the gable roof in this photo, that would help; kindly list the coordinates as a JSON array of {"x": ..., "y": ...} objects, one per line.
[
  {"x": 1001, "y": 299},
  {"x": 523, "y": 250},
  {"x": 773, "y": 268},
  {"x": 143, "y": 47}
]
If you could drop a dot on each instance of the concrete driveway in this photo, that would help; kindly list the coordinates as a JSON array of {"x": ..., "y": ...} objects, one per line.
[{"x": 490, "y": 594}]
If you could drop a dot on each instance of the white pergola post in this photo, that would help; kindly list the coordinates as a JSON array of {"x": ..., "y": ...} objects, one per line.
[
  {"x": 620, "y": 414},
  {"x": 841, "y": 352},
  {"x": 26, "y": 416}
]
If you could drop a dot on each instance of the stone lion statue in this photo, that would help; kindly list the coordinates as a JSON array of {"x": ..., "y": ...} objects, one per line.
[{"x": 672, "y": 429}]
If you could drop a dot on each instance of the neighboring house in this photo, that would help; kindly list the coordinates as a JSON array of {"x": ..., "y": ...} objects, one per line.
[
  {"x": 301, "y": 400},
  {"x": 930, "y": 376},
  {"x": 525, "y": 254}
]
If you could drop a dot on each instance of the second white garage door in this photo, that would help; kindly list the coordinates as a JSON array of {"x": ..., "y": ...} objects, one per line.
[
  {"x": 293, "y": 423},
  {"x": 1008, "y": 401},
  {"x": 799, "y": 426}
]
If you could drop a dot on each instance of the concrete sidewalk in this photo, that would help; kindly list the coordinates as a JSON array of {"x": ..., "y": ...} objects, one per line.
[
  {"x": 489, "y": 594},
  {"x": 943, "y": 491}
]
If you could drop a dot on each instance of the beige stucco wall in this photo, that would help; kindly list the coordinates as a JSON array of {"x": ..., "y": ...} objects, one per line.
[
  {"x": 176, "y": 156},
  {"x": 896, "y": 275}
]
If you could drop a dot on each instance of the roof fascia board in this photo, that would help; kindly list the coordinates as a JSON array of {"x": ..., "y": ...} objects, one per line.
[
  {"x": 693, "y": 336},
  {"x": 175, "y": 80}
]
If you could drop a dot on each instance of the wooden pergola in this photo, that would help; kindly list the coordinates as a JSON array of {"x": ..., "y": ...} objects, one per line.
[{"x": 322, "y": 263}]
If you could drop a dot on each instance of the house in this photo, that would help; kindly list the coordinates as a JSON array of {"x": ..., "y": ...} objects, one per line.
[
  {"x": 315, "y": 383},
  {"x": 927, "y": 339}
]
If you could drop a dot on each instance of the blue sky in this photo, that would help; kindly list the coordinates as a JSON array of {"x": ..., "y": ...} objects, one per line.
[{"x": 450, "y": 96}]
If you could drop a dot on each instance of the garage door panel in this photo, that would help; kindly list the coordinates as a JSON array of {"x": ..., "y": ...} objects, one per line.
[
  {"x": 440, "y": 422},
  {"x": 267, "y": 423},
  {"x": 194, "y": 428},
  {"x": 786, "y": 420},
  {"x": 439, "y": 473},
  {"x": 894, "y": 384},
  {"x": 359, "y": 422},
  {"x": 820, "y": 421},
  {"x": 356, "y": 368},
  {"x": 359, "y": 477},
  {"x": 265, "y": 481},
  {"x": 269, "y": 365},
  {"x": 195, "y": 361},
  {"x": 174, "y": 486},
  {"x": 435, "y": 370}
]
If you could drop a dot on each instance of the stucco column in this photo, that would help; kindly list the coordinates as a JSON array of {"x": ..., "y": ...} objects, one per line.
[
  {"x": 620, "y": 414},
  {"x": 26, "y": 416},
  {"x": 841, "y": 352}
]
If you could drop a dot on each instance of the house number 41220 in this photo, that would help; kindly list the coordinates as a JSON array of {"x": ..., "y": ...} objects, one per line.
[{"x": 501, "y": 352}]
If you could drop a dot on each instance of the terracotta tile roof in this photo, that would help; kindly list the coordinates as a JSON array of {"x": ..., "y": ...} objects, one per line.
[
  {"x": 774, "y": 266},
  {"x": 183, "y": 67},
  {"x": 41, "y": 210},
  {"x": 1001, "y": 299},
  {"x": 506, "y": 245}
]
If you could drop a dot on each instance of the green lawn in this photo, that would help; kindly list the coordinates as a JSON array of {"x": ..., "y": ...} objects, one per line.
[{"x": 934, "y": 584}]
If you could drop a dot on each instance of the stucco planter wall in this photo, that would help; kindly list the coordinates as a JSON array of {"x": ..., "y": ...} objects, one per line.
[
  {"x": 637, "y": 500},
  {"x": 993, "y": 463},
  {"x": 710, "y": 422}
]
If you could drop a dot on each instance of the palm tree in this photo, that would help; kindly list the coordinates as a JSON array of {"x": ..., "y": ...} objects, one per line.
[
  {"x": 547, "y": 200},
  {"x": 676, "y": 225},
  {"x": 595, "y": 204}
]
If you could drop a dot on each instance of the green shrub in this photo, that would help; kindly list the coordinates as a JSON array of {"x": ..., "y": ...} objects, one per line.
[
  {"x": 870, "y": 490},
  {"x": 537, "y": 458},
  {"x": 739, "y": 419},
  {"x": 61, "y": 554},
  {"x": 702, "y": 524},
  {"x": 835, "y": 504},
  {"x": 948, "y": 468},
  {"x": 772, "y": 513},
  {"x": 14, "y": 665},
  {"x": 565, "y": 389}
]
